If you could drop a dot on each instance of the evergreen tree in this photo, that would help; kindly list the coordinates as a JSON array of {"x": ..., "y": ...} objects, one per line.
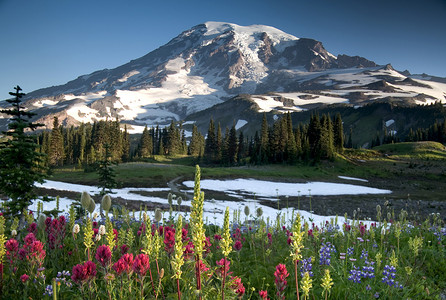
[
  {"x": 196, "y": 142},
  {"x": 264, "y": 141},
  {"x": 106, "y": 173},
  {"x": 82, "y": 144},
  {"x": 211, "y": 142},
  {"x": 56, "y": 148},
  {"x": 232, "y": 145},
  {"x": 291, "y": 148},
  {"x": 326, "y": 137},
  {"x": 21, "y": 165},
  {"x": 338, "y": 134},
  {"x": 219, "y": 145},
  {"x": 145, "y": 149},
  {"x": 314, "y": 137},
  {"x": 350, "y": 139},
  {"x": 173, "y": 144},
  {"x": 126, "y": 145},
  {"x": 241, "y": 154}
]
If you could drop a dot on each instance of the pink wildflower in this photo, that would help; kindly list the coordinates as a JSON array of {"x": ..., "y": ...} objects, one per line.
[
  {"x": 103, "y": 255},
  {"x": 12, "y": 245},
  {"x": 169, "y": 239},
  {"x": 124, "y": 249},
  {"x": 220, "y": 270},
  {"x": 127, "y": 259},
  {"x": 119, "y": 267},
  {"x": 32, "y": 228},
  {"x": 141, "y": 264},
  {"x": 24, "y": 278},
  {"x": 83, "y": 273},
  {"x": 237, "y": 286},
  {"x": 238, "y": 246},
  {"x": 263, "y": 295},
  {"x": 281, "y": 274}
]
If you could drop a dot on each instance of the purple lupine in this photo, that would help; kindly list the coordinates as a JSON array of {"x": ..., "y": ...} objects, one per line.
[
  {"x": 389, "y": 276},
  {"x": 368, "y": 271},
  {"x": 306, "y": 267},
  {"x": 325, "y": 253},
  {"x": 364, "y": 254},
  {"x": 355, "y": 274},
  {"x": 350, "y": 251}
]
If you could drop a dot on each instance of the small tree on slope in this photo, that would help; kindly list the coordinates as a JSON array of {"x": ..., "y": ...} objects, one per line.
[{"x": 21, "y": 165}]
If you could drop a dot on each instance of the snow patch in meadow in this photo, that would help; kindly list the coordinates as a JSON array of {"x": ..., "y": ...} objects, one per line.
[
  {"x": 353, "y": 178},
  {"x": 213, "y": 211},
  {"x": 273, "y": 189}
]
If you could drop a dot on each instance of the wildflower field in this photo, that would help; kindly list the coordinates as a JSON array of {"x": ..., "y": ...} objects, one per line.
[{"x": 83, "y": 256}]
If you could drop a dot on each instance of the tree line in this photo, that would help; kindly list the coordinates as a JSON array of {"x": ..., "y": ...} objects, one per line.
[
  {"x": 435, "y": 132},
  {"x": 279, "y": 142}
]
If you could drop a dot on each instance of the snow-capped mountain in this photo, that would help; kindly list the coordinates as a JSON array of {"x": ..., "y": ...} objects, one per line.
[{"x": 212, "y": 62}]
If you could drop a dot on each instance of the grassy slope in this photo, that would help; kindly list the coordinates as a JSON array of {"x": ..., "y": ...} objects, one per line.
[{"x": 410, "y": 168}]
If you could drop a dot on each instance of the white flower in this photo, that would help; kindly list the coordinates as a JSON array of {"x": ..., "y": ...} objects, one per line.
[
  {"x": 13, "y": 233},
  {"x": 102, "y": 230},
  {"x": 97, "y": 238},
  {"x": 76, "y": 228}
]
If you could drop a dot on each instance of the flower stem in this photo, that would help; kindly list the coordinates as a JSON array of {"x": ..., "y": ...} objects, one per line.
[
  {"x": 224, "y": 278},
  {"x": 297, "y": 283},
  {"x": 178, "y": 289}
]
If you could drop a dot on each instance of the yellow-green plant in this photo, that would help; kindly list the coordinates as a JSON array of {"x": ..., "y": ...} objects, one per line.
[
  {"x": 72, "y": 216},
  {"x": 415, "y": 245},
  {"x": 394, "y": 259},
  {"x": 178, "y": 261},
  {"x": 327, "y": 283},
  {"x": 148, "y": 240},
  {"x": 226, "y": 248},
  {"x": 307, "y": 283},
  {"x": 2, "y": 239},
  {"x": 110, "y": 236},
  {"x": 88, "y": 236},
  {"x": 296, "y": 247},
  {"x": 197, "y": 228}
]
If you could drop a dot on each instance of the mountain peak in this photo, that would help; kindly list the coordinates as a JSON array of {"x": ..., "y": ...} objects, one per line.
[
  {"x": 276, "y": 35},
  {"x": 201, "y": 67}
]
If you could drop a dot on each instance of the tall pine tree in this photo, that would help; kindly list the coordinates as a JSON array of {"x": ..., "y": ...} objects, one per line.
[
  {"x": 56, "y": 151},
  {"x": 21, "y": 165}
]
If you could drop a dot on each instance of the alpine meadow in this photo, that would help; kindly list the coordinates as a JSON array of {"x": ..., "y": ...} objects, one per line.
[{"x": 232, "y": 162}]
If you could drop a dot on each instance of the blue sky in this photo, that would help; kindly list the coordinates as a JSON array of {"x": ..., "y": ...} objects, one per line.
[{"x": 49, "y": 42}]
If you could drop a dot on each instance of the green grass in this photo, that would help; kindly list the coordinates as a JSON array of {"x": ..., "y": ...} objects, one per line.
[{"x": 414, "y": 150}]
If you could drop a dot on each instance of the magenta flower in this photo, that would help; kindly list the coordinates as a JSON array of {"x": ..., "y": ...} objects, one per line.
[
  {"x": 32, "y": 228},
  {"x": 237, "y": 286},
  {"x": 281, "y": 274},
  {"x": 83, "y": 273},
  {"x": 220, "y": 270},
  {"x": 141, "y": 264},
  {"x": 12, "y": 245},
  {"x": 127, "y": 259},
  {"x": 184, "y": 233},
  {"x": 79, "y": 275},
  {"x": 124, "y": 249},
  {"x": 103, "y": 255},
  {"x": 238, "y": 246},
  {"x": 263, "y": 295},
  {"x": 29, "y": 239},
  {"x": 90, "y": 269},
  {"x": 169, "y": 239},
  {"x": 189, "y": 251},
  {"x": 119, "y": 267},
  {"x": 24, "y": 278}
]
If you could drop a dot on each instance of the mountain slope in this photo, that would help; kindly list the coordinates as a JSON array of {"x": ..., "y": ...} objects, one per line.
[{"x": 213, "y": 62}]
